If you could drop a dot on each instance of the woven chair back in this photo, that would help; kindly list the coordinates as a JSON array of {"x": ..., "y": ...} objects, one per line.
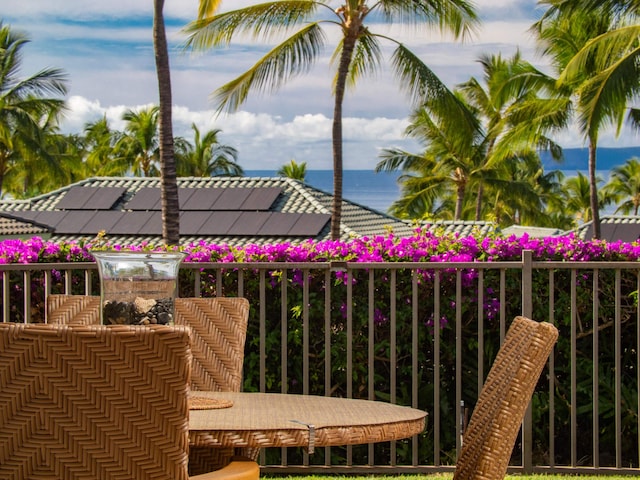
[
  {"x": 93, "y": 402},
  {"x": 490, "y": 437},
  {"x": 218, "y": 333}
]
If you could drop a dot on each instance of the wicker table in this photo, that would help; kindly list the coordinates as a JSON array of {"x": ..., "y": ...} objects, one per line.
[{"x": 277, "y": 420}]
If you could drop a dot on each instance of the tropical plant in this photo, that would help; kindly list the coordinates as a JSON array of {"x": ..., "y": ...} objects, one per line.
[
  {"x": 595, "y": 51},
  {"x": 358, "y": 52},
  {"x": 488, "y": 149},
  {"x": 139, "y": 146},
  {"x": 24, "y": 102},
  {"x": 207, "y": 157},
  {"x": 518, "y": 106},
  {"x": 294, "y": 170},
  {"x": 50, "y": 164},
  {"x": 576, "y": 198},
  {"x": 453, "y": 154},
  {"x": 624, "y": 186},
  {"x": 101, "y": 156}
]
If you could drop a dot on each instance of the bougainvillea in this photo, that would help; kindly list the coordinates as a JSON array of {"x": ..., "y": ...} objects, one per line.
[{"x": 423, "y": 246}]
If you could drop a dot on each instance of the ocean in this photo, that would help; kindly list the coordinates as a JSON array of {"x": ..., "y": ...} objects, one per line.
[
  {"x": 365, "y": 187},
  {"x": 379, "y": 190}
]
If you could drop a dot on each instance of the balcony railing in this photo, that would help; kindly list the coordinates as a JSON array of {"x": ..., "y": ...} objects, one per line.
[{"x": 424, "y": 335}]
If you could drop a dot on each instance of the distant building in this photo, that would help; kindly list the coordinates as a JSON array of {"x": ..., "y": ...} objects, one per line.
[
  {"x": 231, "y": 210},
  {"x": 613, "y": 228},
  {"x": 532, "y": 232}
]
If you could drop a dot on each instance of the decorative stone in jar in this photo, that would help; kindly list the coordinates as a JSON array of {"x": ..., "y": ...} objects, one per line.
[{"x": 137, "y": 288}]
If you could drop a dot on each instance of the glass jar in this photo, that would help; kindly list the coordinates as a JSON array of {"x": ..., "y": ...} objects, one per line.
[{"x": 137, "y": 288}]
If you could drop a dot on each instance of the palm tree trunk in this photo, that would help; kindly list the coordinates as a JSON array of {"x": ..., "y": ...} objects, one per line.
[
  {"x": 169, "y": 184},
  {"x": 479, "y": 196},
  {"x": 593, "y": 189},
  {"x": 459, "y": 201},
  {"x": 343, "y": 70}
]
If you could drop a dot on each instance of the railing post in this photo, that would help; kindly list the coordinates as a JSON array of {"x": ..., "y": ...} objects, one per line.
[{"x": 527, "y": 311}]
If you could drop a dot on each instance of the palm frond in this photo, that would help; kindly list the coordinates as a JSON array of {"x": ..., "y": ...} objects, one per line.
[
  {"x": 604, "y": 96},
  {"x": 45, "y": 82},
  {"x": 603, "y": 51},
  {"x": 396, "y": 159},
  {"x": 292, "y": 57},
  {"x": 366, "y": 58},
  {"x": 634, "y": 118},
  {"x": 455, "y": 16},
  {"x": 423, "y": 86},
  {"x": 207, "y": 8},
  {"x": 265, "y": 21}
]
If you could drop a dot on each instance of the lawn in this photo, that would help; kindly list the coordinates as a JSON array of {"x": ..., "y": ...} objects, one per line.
[{"x": 445, "y": 476}]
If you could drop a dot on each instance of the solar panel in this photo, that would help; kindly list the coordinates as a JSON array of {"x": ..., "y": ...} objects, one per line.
[
  {"x": 102, "y": 220},
  {"x": 261, "y": 198},
  {"x": 202, "y": 198},
  {"x": 219, "y": 223},
  {"x": 130, "y": 223},
  {"x": 249, "y": 223},
  {"x": 153, "y": 225},
  {"x": 231, "y": 198},
  {"x": 73, "y": 221},
  {"x": 50, "y": 219},
  {"x": 104, "y": 198},
  {"x": 184, "y": 194},
  {"x": 278, "y": 224},
  {"x": 90, "y": 198},
  {"x": 309, "y": 224},
  {"x": 147, "y": 198},
  {"x": 76, "y": 197},
  {"x": 250, "y": 199},
  {"x": 191, "y": 222}
]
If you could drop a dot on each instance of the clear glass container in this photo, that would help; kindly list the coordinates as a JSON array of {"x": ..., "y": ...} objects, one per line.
[{"x": 137, "y": 288}]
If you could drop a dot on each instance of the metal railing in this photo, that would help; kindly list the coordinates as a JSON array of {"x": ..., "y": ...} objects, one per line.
[{"x": 424, "y": 335}]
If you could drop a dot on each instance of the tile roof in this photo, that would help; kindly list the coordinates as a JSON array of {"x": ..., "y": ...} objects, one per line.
[
  {"x": 613, "y": 228},
  {"x": 531, "y": 231},
  {"x": 231, "y": 210},
  {"x": 463, "y": 228}
]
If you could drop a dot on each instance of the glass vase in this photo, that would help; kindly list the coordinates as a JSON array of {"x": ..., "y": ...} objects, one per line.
[{"x": 137, "y": 288}]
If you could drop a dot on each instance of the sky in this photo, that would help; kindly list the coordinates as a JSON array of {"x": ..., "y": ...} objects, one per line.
[{"x": 106, "y": 50}]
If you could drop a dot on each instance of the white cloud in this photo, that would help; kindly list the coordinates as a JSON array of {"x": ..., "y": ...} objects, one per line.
[{"x": 106, "y": 48}]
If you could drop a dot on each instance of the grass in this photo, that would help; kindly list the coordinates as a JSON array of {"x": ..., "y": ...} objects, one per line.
[{"x": 445, "y": 476}]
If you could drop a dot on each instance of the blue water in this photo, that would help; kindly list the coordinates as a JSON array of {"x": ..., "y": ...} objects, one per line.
[
  {"x": 365, "y": 187},
  {"x": 375, "y": 190}
]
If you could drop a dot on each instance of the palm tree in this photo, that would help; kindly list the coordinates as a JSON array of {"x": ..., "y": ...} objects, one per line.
[
  {"x": 497, "y": 133},
  {"x": 451, "y": 160},
  {"x": 518, "y": 106},
  {"x": 425, "y": 190},
  {"x": 139, "y": 146},
  {"x": 101, "y": 158},
  {"x": 168, "y": 177},
  {"x": 577, "y": 197},
  {"x": 294, "y": 170},
  {"x": 24, "y": 103},
  {"x": 358, "y": 53},
  {"x": 48, "y": 164},
  {"x": 624, "y": 185},
  {"x": 207, "y": 157},
  {"x": 597, "y": 64}
]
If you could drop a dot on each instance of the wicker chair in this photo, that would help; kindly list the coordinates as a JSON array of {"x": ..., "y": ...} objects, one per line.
[
  {"x": 490, "y": 437},
  {"x": 218, "y": 334},
  {"x": 89, "y": 402}
]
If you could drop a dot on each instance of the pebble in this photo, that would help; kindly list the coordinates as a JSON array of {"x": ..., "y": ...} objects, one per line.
[{"x": 139, "y": 312}]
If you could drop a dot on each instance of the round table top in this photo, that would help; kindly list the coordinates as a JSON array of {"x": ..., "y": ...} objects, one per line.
[{"x": 276, "y": 420}]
